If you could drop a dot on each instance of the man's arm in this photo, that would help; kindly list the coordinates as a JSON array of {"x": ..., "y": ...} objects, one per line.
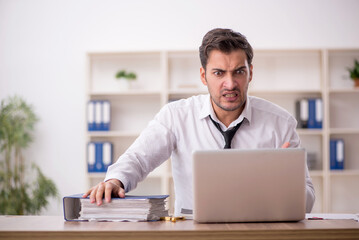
[
  {"x": 310, "y": 193},
  {"x": 154, "y": 146}
]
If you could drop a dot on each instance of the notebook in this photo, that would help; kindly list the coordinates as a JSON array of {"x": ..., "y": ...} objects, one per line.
[{"x": 263, "y": 185}]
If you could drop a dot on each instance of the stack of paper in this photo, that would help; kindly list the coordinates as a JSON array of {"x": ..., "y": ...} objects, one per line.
[{"x": 130, "y": 208}]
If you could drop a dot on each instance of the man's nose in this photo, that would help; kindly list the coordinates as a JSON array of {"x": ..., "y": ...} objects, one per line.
[{"x": 230, "y": 82}]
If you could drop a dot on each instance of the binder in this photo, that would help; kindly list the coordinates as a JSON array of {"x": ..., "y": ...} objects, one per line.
[
  {"x": 99, "y": 115},
  {"x": 318, "y": 113},
  {"x": 107, "y": 155},
  {"x": 315, "y": 113},
  {"x": 106, "y": 115},
  {"x": 99, "y": 156},
  {"x": 72, "y": 204},
  {"x": 91, "y": 116},
  {"x": 336, "y": 154},
  {"x": 91, "y": 157},
  {"x": 311, "y": 113},
  {"x": 302, "y": 113}
]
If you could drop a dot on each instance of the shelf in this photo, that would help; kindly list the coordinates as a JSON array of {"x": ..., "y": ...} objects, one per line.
[
  {"x": 96, "y": 175},
  {"x": 316, "y": 173},
  {"x": 336, "y": 173},
  {"x": 284, "y": 91},
  {"x": 132, "y": 92},
  {"x": 157, "y": 173},
  {"x": 309, "y": 131},
  {"x": 281, "y": 76},
  {"x": 191, "y": 91},
  {"x": 344, "y": 90},
  {"x": 113, "y": 134},
  {"x": 344, "y": 131}
]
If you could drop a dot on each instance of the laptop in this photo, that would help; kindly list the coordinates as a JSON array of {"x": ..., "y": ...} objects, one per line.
[{"x": 262, "y": 185}]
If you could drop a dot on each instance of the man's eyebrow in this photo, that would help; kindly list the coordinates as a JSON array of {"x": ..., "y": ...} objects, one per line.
[
  {"x": 238, "y": 68},
  {"x": 217, "y": 69}
]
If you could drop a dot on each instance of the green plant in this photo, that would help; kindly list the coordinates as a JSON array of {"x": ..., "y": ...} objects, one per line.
[
  {"x": 123, "y": 74},
  {"x": 18, "y": 193},
  {"x": 354, "y": 72}
]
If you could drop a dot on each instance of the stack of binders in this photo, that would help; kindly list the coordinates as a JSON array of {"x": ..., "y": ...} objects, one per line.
[
  {"x": 130, "y": 208},
  {"x": 98, "y": 115},
  {"x": 336, "y": 154},
  {"x": 309, "y": 113},
  {"x": 99, "y": 156}
]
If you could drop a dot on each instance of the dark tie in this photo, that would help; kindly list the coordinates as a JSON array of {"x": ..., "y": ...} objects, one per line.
[{"x": 228, "y": 135}]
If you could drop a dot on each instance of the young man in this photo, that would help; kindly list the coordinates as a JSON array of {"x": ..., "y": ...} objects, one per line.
[{"x": 225, "y": 118}]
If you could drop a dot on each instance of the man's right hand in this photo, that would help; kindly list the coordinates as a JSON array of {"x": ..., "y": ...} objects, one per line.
[{"x": 112, "y": 187}]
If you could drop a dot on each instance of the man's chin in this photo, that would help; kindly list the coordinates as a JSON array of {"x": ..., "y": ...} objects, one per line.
[{"x": 229, "y": 107}]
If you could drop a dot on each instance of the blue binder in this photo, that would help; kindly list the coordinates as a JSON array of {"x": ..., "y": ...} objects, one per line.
[
  {"x": 91, "y": 157},
  {"x": 99, "y": 156},
  {"x": 315, "y": 113},
  {"x": 91, "y": 116},
  {"x": 106, "y": 116},
  {"x": 311, "y": 113},
  {"x": 336, "y": 154},
  {"x": 99, "y": 115},
  {"x": 107, "y": 155},
  {"x": 318, "y": 113}
]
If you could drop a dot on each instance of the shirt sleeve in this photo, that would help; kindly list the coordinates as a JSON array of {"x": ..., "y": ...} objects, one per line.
[
  {"x": 295, "y": 142},
  {"x": 310, "y": 193},
  {"x": 154, "y": 146}
]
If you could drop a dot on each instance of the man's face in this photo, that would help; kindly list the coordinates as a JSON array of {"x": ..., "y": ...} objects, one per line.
[{"x": 227, "y": 77}]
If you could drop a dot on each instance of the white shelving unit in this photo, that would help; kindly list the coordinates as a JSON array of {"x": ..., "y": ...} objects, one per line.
[{"x": 281, "y": 76}]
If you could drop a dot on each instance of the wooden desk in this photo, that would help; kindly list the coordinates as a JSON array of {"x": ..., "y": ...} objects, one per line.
[{"x": 54, "y": 227}]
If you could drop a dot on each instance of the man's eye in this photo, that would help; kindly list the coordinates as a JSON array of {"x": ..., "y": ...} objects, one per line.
[
  {"x": 218, "y": 73},
  {"x": 241, "y": 72}
]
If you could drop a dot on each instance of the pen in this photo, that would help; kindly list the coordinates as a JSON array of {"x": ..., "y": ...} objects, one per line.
[{"x": 315, "y": 218}]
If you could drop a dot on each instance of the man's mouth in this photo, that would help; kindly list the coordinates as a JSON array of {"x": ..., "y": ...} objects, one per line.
[{"x": 230, "y": 95}]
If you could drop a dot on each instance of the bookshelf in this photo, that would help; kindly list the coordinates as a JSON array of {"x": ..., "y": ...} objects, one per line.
[{"x": 281, "y": 76}]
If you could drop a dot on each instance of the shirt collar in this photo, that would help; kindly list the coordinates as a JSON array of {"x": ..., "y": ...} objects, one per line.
[{"x": 207, "y": 110}]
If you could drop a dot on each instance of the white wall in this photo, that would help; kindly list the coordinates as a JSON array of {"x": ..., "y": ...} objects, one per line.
[{"x": 43, "y": 45}]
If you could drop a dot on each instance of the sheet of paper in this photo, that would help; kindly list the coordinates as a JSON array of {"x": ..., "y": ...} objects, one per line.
[{"x": 331, "y": 216}]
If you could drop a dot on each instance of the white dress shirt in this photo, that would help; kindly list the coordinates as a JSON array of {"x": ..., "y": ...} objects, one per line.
[{"x": 184, "y": 126}]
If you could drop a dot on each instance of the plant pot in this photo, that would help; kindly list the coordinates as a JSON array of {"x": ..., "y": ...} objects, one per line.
[
  {"x": 124, "y": 85},
  {"x": 356, "y": 82}
]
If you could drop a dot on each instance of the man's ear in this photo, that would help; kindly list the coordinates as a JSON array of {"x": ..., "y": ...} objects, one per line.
[
  {"x": 251, "y": 72},
  {"x": 203, "y": 76}
]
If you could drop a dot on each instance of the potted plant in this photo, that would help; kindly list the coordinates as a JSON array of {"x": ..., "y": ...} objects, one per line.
[
  {"x": 19, "y": 192},
  {"x": 125, "y": 79},
  {"x": 354, "y": 73}
]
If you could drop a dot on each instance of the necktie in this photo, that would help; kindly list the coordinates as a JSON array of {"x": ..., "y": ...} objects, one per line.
[{"x": 228, "y": 135}]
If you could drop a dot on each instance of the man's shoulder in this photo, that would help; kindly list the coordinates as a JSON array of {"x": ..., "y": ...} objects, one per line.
[
  {"x": 194, "y": 102},
  {"x": 267, "y": 107}
]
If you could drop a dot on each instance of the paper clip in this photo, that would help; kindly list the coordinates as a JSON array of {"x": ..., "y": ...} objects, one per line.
[{"x": 173, "y": 219}]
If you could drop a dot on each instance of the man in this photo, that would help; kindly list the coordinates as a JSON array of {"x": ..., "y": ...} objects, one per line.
[{"x": 201, "y": 122}]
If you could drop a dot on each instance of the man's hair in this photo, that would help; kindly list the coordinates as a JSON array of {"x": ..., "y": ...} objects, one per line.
[{"x": 226, "y": 41}]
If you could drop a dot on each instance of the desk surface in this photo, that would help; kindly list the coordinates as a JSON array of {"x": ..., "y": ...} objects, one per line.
[{"x": 54, "y": 227}]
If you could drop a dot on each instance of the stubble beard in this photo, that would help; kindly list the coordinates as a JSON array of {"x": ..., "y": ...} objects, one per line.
[
  {"x": 230, "y": 109},
  {"x": 242, "y": 97}
]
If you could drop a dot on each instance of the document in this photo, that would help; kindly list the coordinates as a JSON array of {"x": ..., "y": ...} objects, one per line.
[{"x": 130, "y": 208}]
